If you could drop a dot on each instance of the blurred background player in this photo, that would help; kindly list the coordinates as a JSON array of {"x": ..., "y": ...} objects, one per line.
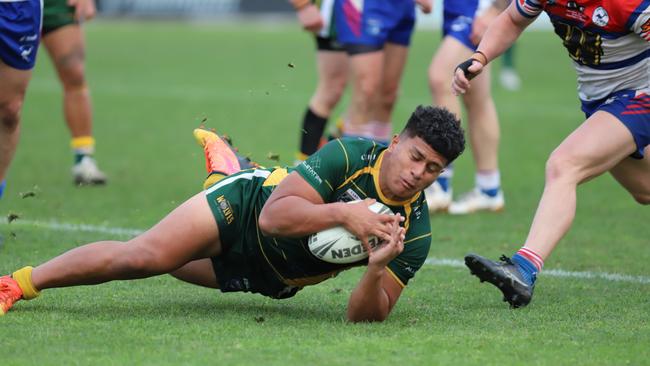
[
  {"x": 458, "y": 43},
  {"x": 64, "y": 40},
  {"x": 20, "y": 30},
  {"x": 332, "y": 66},
  {"x": 611, "y": 56},
  {"x": 376, "y": 35}
]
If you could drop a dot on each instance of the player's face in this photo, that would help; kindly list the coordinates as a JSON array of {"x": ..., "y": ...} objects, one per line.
[{"x": 414, "y": 165}]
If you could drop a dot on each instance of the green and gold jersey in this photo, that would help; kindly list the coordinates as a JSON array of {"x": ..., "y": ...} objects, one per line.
[{"x": 343, "y": 170}]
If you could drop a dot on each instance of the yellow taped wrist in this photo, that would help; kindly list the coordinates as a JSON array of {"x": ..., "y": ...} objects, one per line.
[
  {"x": 82, "y": 142},
  {"x": 24, "y": 278}
]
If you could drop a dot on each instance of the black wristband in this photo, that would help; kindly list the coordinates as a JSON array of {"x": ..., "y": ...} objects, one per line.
[{"x": 465, "y": 67}]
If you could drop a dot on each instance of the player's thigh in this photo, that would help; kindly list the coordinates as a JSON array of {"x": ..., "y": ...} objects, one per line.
[
  {"x": 66, "y": 47},
  {"x": 394, "y": 62},
  {"x": 188, "y": 233},
  {"x": 595, "y": 147},
  {"x": 333, "y": 67},
  {"x": 481, "y": 90},
  {"x": 13, "y": 83},
  {"x": 634, "y": 176},
  {"x": 199, "y": 272},
  {"x": 449, "y": 54}
]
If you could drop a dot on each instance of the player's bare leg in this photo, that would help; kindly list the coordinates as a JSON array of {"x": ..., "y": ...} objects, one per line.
[
  {"x": 393, "y": 68},
  {"x": 600, "y": 144},
  {"x": 13, "y": 85},
  {"x": 333, "y": 72},
  {"x": 450, "y": 53},
  {"x": 66, "y": 47},
  {"x": 483, "y": 128},
  {"x": 634, "y": 175},
  {"x": 188, "y": 233},
  {"x": 366, "y": 76},
  {"x": 199, "y": 272}
]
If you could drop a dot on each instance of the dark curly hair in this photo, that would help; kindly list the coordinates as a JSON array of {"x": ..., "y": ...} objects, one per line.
[{"x": 439, "y": 128}]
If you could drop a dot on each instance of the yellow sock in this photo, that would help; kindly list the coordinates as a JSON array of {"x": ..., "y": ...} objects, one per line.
[
  {"x": 82, "y": 142},
  {"x": 212, "y": 179},
  {"x": 24, "y": 278}
]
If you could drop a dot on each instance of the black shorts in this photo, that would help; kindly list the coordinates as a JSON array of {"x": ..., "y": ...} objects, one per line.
[
  {"x": 241, "y": 267},
  {"x": 328, "y": 44}
]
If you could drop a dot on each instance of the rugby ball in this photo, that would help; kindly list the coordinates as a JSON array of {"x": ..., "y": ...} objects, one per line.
[{"x": 337, "y": 245}]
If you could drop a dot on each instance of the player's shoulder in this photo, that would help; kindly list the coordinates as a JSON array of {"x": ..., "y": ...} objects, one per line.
[{"x": 360, "y": 150}]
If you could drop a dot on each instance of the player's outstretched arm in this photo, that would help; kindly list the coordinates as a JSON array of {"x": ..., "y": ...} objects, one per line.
[
  {"x": 500, "y": 35},
  {"x": 377, "y": 291},
  {"x": 295, "y": 209}
]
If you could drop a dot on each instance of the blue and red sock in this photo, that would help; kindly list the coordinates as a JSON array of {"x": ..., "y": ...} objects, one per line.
[{"x": 528, "y": 263}]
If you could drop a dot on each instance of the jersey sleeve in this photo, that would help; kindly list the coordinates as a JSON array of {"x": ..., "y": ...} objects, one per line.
[
  {"x": 640, "y": 20},
  {"x": 325, "y": 169},
  {"x": 416, "y": 248},
  {"x": 530, "y": 8}
]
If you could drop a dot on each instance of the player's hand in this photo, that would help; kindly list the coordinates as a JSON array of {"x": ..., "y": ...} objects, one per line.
[
  {"x": 364, "y": 223},
  {"x": 83, "y": 9},
  {"x": 465, "y": 72},
  {"x": 425, "y": 5},
  {"x": 389, "y": 249},
  {"x": 310, "y": 18}
]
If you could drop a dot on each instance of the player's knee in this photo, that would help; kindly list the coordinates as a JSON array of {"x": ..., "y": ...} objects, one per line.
[
  {"x": 561, "y": 166},
  {"x": 10, "y": 114},
  {"x": 439, "y": 83},
  {"x": 74, "y": 78},
  {"x": 388, "y": 97}
]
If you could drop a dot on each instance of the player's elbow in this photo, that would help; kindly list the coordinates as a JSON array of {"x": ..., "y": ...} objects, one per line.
[
  {"x": 367, "y": 318},
  {"x": 266, "y": 224}
]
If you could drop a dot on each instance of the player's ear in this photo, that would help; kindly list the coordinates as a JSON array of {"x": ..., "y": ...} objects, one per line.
[{"x": 394, "y": 141}]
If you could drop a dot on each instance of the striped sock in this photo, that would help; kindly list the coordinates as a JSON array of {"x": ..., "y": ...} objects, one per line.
[{"x": 528, "y": 263}]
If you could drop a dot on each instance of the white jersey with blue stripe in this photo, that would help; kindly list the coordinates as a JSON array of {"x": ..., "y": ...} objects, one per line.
[{"x": 608, "y": 40}]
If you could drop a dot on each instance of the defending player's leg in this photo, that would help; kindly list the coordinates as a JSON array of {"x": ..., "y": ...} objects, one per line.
[
  {"x": 332, "y": 78},
  {"x": 598, "y": 145},
  {"x": 188, "y": 233},
  {"x": 449, "y": 54},
  {"x": 634, "y": 176},
  {"x": 66, "y": 47},
  {"x": 13, "y": 85},
  {"x": 484, "y": 134}
]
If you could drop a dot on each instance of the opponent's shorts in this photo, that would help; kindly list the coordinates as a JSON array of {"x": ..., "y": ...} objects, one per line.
[
  {"x": 241, "y": 266},
  {"x": 365, "y": 26},
  {"x": 632, "y": 108},
  {"x": 328, "y": 44},
  {"x": 458, "y": 18},
  {"x": 20, "y": 32},
  {"x": 57, "y": 14}
]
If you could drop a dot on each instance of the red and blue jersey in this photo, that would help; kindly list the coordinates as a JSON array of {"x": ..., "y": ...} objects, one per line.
[{"x": 608, "y": 40}]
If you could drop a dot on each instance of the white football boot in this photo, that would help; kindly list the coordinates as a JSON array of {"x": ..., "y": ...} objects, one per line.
[
  {"x": 509, "y": 79},
  {"x": 86, "y": 172},
  {"x": 437, "y": 198},
  {"x": 475, "y": 200}
]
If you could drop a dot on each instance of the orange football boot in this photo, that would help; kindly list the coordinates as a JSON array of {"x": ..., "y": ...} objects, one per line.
[
  {"x": 10, "y": 292},
  {"x": 219, "y": 157}
]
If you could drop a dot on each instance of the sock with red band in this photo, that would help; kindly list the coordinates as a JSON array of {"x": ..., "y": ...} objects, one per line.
[{"x": 528, "y": 263}]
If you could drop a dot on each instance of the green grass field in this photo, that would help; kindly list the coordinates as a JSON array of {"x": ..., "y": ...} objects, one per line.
[{"x": 152, "y": 83}]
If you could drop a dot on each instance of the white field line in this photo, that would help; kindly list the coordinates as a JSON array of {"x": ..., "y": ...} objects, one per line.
[{"x": 439, "y": 262}]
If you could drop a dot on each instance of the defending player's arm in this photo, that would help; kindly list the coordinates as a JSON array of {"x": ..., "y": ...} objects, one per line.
[{"x": 500, "y": 35}]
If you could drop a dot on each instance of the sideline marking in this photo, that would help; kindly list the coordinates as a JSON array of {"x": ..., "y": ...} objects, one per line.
[{"x": 440, "y": 262}]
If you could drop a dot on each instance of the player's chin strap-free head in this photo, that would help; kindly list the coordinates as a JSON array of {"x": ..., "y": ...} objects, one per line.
[{"x": 479, "y": 57}]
